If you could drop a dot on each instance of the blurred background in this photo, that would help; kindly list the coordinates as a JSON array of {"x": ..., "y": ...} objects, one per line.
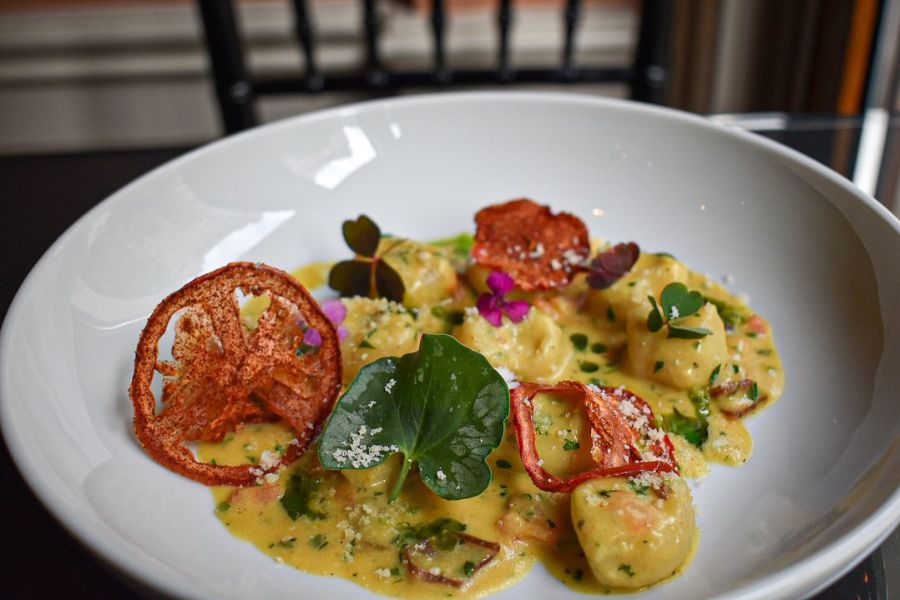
[{"x": 80, "y": 75}]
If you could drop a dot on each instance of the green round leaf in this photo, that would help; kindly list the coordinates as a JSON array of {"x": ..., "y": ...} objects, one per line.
[
  {"x": 443, "y": 406},
  {"x": 362, "y": 235}
]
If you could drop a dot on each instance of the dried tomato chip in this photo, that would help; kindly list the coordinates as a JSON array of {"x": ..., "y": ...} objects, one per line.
[
  {"x": 614, "y": 434},
  {"x": 538, "y": 249},
  {"x": 223, "y": 375}
]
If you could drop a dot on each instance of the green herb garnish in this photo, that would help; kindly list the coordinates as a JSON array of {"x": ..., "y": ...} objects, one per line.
[
  {"x": 318, "y": 541},
  {"x": 640, "y": 490},
  {"x": 468, "y": 568},
  {"x": 731, "y": 315},
  {"x": 571, "y": 445},
  {"x": 443, "y": 533},
  {"x": 299, "y": 495},
  {"x": 588, "y": 366},
  {"x": 694, "y": 429},
  {"x": 714, "y": 374},
  {"x": 452, "y": 317},
  {"x": 442, "y": 406},
  {"x": 579, "y": 340},
  {"x": 598, "y": 348},
  {"x": 503, "y": 464},
  {"x": 658, "y": 366},
  {"x": 627, "y": 570},
  {"x": 367, "y": 274},
  {"x": 677, "y": 303},
  {"x": 460, "y": 245}
]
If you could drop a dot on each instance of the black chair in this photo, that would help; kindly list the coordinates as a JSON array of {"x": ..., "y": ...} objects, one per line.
[{"x": 237, "y": 89}]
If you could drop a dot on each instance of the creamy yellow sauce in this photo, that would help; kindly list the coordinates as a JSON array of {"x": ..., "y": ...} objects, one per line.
[{"x": 351, "y": 530}]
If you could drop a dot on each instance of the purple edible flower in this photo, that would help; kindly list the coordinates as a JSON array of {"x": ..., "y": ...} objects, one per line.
[
  {"x": 493, "y": 306},
  {"x": 336, "y": 313},
  {"x": 609, "y": 266}
]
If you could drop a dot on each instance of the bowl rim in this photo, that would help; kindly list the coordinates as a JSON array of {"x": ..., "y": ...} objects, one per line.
[{"x": 806, "y": 576}]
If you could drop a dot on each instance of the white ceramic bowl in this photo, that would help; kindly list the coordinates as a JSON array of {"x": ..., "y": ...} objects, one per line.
[{"x": 815, "y": 255}]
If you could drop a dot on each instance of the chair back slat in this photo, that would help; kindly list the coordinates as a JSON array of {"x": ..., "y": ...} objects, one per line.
[
  {"x": 303, "y": 27},
  {"x": 571, "y": 16},
  {"x": 504, "y": 24},
  {"x": 650, "y": 75},
  {"x": 234, "y": 89},
  {"x": 375, "y": 74},
  {"x": 438, "y": 29}
]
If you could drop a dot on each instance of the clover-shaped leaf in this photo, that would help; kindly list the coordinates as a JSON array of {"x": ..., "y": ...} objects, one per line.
[
  {"x": 362, "y": 235},
  {"x": 677, "y": 303},
  {"x": 388, "y": 283},
  {"x": 367, "y": 274}
]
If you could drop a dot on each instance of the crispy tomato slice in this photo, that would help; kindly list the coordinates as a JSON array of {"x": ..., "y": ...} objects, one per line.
[
  {"x": 538, "y": 249},
  {"x": 624, "y": 438},
  {"x": 223, "y": 374}
]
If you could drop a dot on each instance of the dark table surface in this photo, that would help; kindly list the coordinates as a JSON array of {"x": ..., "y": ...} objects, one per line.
[{"x": 40, "y": 196}]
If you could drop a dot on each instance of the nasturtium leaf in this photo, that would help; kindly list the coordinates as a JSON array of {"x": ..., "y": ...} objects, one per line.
[
  {"x": 350, "y": 278},
  {"x": 362, "y": 235},
  {"x": 688, "y": 333},
  {"x": 388, "y": 282},
  {"x": 686, "y": 303},
  {"x": 654, "y": 319},
  {"x": 442, "y": 406}
]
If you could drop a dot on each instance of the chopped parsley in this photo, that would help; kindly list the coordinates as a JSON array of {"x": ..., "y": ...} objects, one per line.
[{"x": 579, "y": 340}]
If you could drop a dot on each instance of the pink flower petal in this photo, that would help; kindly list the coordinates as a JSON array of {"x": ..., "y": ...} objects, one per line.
[
  {"x": 312, "y": 337},
  {"x": 500, "y": 282},
  {"x": 516, "y": 310},
  {"x": 494, "y": 317},
  {"x": 335, "y": 310},
  {"x": 489, "y": 308},
  {"x": 342, "y": 333}
]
